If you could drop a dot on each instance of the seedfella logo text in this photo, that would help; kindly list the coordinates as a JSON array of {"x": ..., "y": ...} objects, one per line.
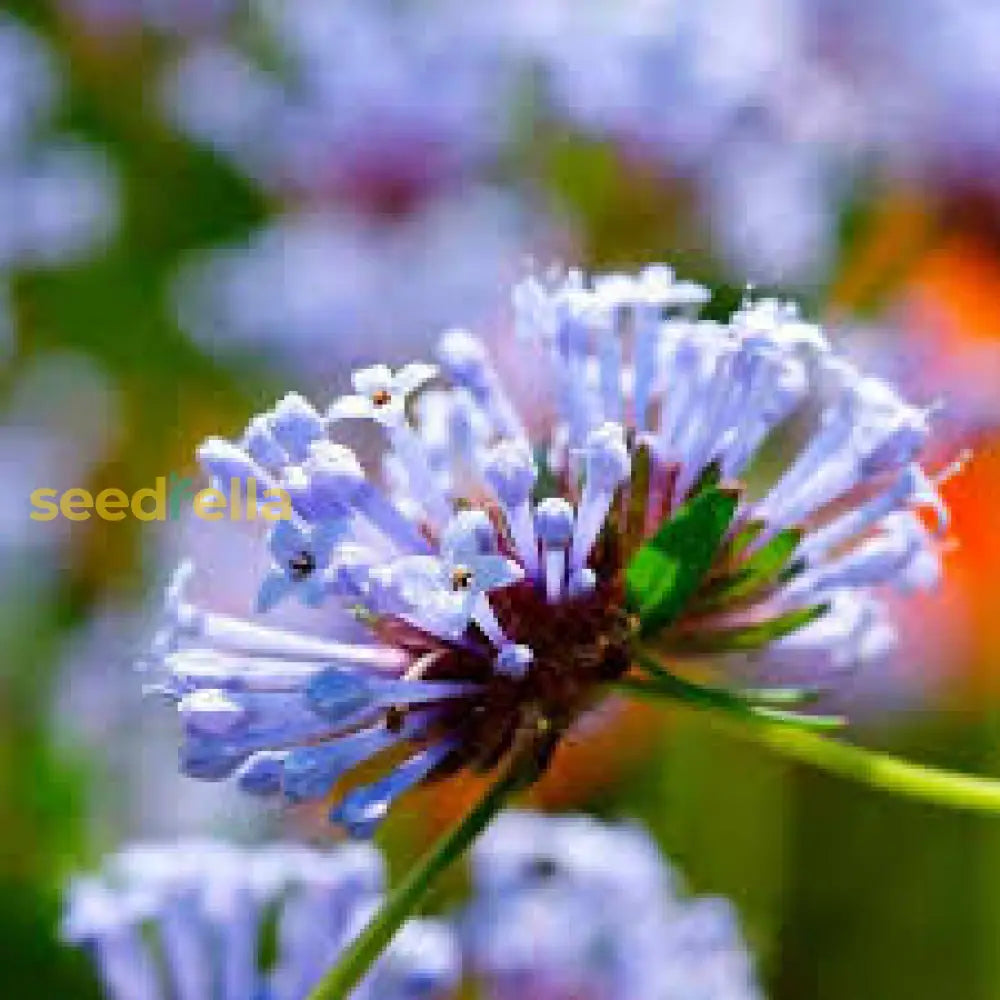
[{"x": 166, "y": 499}]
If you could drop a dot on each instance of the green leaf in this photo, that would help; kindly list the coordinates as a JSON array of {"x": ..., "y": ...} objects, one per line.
[
  {"x": 662, "y": 683},
  {"x": 786, "y": 696},
  {"x": 767, "y": 566},
  {"x": 663, "y": 575},
  {"x": 710, "y": 477},
  {"x": 744, "y": 535},
  {"x": 746, "y": 638}
]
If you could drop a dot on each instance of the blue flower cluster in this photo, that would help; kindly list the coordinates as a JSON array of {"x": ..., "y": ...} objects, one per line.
[
  {"x": 57, "y": 195},
  {"x": 774, "y": 110},
  {"x": 570, "y": 907},
  {"x": 485, "y": 570},
  {"x": 561, "y": 909},
  {"x": 191, "y": 921}
]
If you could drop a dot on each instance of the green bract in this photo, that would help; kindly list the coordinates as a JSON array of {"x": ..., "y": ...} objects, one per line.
[{"x": 667, "y": 570}]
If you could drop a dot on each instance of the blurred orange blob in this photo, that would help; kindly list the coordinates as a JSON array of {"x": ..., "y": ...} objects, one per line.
[
  {"x": 958, "y": 282},
  {"x": 973, "y": 566},
  {"x": 956, "y": 287},
  {"x": 586, "y": 765}
]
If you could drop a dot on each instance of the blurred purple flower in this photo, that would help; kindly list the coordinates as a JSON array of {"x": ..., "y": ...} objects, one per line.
[
  {"x": 321, "y": 291},
  {"x": 776, "y": 109},
  {"x": 189, "y": 920},
  {"x": 58, "y": 197},
  {"x": 380, "y": 104},
  {"x": 568, "y": 908},
  {"x": 110, "y": 19},
  {"x": 552, "y": 916}
]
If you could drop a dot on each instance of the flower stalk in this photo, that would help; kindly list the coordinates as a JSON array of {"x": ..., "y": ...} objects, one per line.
[
  {"x": 402, "y": 902},
  {"x": 796, "y": 738},
  {"x": 881, "y": 771}
]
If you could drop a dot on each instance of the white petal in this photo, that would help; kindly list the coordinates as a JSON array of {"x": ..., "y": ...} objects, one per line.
[
  {"x": 351, "y": 408},
  {"x": 390, "y": 414},
  {"x": 411, "y": 377},
  {"x": 417, "y": 578},
  {"x": 368, "y": 381}
]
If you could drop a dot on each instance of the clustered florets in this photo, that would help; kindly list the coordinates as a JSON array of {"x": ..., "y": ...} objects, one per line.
[
  {"x": 572, "y": 907},
  {"x": 552, "y": 913},
  {"x": 493, "y": 570},
  {"x": 194, "y": 921}
]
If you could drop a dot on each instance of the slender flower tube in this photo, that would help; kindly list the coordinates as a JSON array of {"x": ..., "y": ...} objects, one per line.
[
  {"x": 190, "y": 921},
  {"x": 502, "y": 584}
]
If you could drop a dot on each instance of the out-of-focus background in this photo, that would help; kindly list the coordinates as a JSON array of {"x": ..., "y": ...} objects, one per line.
[{"x": 206, "y": 203}]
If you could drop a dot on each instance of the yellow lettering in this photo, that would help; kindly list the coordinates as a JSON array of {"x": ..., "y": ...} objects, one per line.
[
  {"x": 235, "y": 489},
  {"x": 210, "y": 504},
  {"x": 43, "y": 501},
  {"x": 111, "y": 505},
  {"x": 158, "y": 494},
  {"x": 277, "y": 506},
  {"x": 75, "y": 505},
  {"x": 251, "y": 500}
]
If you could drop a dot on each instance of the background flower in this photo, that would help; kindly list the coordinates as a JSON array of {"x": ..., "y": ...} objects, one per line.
[{"x": 206, "y": 906}]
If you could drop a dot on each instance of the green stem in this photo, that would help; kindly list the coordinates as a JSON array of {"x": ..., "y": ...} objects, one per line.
[
  {"x": 878, "y": 770},
  {"x": 404, "y": 899}
]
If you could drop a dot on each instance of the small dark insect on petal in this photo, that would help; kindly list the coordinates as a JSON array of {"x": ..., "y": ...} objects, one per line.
[
  {"x": 302, "y": 565},
  {"x": 544, "y": 868},
  {"x": 395, "y": 718}
]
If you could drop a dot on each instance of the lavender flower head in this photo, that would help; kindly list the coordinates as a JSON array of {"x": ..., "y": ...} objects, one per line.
[
  {"x": 501, "y": 579},
  {"x": 57, "y": 196},
  {"x": 572, "y": 908},
  {"x": 381, "y": 103},
  {"x": 298, "y": 291},
  {"x": 551, "y": 916},
  {"x": 187, "y": 921}
]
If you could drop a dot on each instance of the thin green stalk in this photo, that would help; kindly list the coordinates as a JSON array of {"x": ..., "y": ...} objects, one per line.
[
  {"x": 878, "y": 770},
  {"x": 404, "y": 899},
  {"x": 883, "y": 771}
]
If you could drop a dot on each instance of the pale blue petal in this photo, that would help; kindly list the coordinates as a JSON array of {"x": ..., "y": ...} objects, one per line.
[{"x": 494, "y": 572}]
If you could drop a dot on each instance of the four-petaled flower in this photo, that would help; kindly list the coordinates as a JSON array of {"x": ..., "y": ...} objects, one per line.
[{"x": 442, "y": 594}]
